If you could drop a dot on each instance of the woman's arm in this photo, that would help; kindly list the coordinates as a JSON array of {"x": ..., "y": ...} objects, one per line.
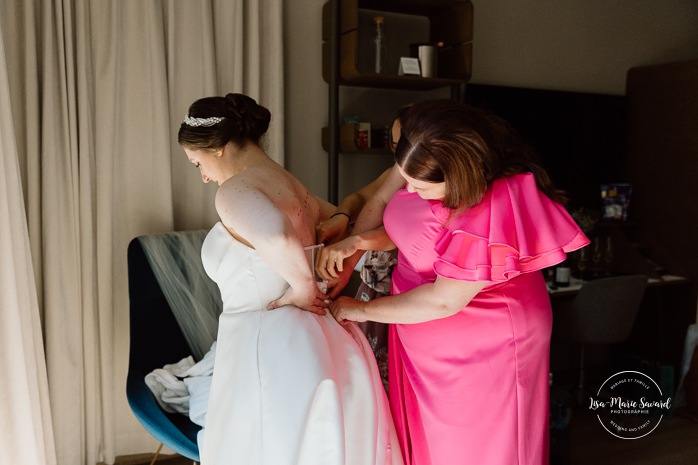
[
  {"x": 370, "y": 218},
  {"x": 335, "y": 225},
  {"x": 440, "y": 299},
  {"x": 250, "y": 214},
  {"x": 327, "y": 209},
  {"x": 371, "y": 215},
  {"x": 332, "y": 258}
]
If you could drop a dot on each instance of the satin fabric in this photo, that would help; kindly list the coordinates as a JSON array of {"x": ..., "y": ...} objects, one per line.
[
  {"x": 473, "y": 387},
  {"x": 289, "y": 386}
]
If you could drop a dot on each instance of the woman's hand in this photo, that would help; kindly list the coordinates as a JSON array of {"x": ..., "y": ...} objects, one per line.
[
  {"x": 346, "y": 309},
  {"x": 315, "y": 303},
  {"x": 336, "y": 285},
  {"x": 329, "y": 262},
  {"x": 332, "y": 229}
]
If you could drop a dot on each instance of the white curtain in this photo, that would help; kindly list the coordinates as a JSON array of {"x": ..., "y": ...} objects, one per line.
[{"x": 97, "y": 90}]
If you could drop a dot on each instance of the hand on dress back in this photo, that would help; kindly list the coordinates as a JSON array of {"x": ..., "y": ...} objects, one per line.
[
  {"x": 315, "y": 303},
  {"x": 332, "y": 229}
]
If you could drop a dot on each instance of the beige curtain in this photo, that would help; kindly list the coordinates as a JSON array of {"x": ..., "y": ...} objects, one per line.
[
  {"x": 97, "y": 90},
  {"x": 25, "y": 416}
]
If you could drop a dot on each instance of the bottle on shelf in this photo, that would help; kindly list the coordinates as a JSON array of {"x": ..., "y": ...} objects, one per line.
[
  {"x": 582, "y": 261},
  {"x": 380, "y": 46},
  {"x": 562, "y": 275}
]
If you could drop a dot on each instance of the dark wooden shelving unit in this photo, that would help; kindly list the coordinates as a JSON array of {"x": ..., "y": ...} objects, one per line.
[{"x": 450, "y": 24}]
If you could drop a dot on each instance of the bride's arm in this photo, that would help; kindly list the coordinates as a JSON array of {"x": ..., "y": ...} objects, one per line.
[{"x": 254, "y": 217}]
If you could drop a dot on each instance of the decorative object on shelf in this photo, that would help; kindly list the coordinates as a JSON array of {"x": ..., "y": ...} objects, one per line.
[
  {"x": 582, "y": 261},
  {"x": 615, "y": 201},
  {"x": 409, "y": 67},
  {"x": 346, "y": 60},
  {"x": 608, "y": 253},
  {"x": 380, "y": 46},
  {"x": 363, "y": 135},
  {"x": 586, "y": 219},
  {"x": 378, "y": 142},
  {"x": 427, "y": 59},
  {"x": 450, "y": 30},
  {"x": 596, "y": 255},
  {"x": 562, "y": 275}
]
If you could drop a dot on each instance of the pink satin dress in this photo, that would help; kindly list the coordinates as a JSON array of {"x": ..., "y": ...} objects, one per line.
[{"x": 473, "y": 388}]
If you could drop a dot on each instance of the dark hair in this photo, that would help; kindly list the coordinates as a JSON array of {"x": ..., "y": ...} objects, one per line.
[
  {"x": 397, "y": 118},
  {"x": 244, "y": 120},
  {"x": 465, "y": 147}
]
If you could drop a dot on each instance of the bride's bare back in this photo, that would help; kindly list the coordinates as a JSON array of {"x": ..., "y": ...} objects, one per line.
[{"x": 268, "y": 186}]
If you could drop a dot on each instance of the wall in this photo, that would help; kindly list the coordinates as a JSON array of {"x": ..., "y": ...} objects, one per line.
[
  {"x": 575, "y": 45},
  {"x": 579, "y": 45},
  {"x": 306, "y": 93},
  {"x": 663, "y": 143}
]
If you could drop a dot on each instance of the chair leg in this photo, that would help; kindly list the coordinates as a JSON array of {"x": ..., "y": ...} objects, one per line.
[
  {"x": 156, "y": 454},
  {"x": 580, "y": 387}
]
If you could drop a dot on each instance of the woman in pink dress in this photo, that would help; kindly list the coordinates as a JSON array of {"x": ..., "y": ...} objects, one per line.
[{"x": 474, "y": 223}]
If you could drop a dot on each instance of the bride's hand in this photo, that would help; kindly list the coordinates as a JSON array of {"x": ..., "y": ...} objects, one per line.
[
  {"x": 314, "y": 303},
  {"x": 330, "y": 259}
]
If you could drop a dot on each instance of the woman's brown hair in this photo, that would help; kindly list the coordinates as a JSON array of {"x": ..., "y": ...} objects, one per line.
[{"x": 465, "y": 147}]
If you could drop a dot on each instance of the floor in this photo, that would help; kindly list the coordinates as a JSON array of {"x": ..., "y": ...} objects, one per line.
[
  {"x": 586, "y": 442},
  {"x": 145, "y": 459},
  {"x": 583, "y": 441}
]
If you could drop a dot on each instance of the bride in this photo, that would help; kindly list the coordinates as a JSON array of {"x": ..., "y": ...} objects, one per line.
[{"x": 290, "y": 385}]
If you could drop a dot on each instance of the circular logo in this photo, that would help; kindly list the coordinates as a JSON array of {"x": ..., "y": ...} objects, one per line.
[{"x": 630, "y": 405}]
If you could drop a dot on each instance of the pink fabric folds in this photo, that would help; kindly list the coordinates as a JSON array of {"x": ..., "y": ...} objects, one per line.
[{"x": 514, "y": 229}]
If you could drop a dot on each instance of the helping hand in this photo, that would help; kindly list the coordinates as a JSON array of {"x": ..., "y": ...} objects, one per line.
[
  {"x": 336, "y": 285},
  {"x": 347, "y": 309},
  {"x": 332, "y": 229},
  {"x": 330, "y": 259}
]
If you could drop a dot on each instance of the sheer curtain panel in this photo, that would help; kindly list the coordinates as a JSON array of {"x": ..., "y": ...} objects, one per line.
[
  {"x": 97, "y": 91},
  {"x": 26, "y": 433}
]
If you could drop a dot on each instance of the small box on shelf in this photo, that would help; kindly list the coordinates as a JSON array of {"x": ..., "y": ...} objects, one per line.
[{"x": 363, "y": 135}]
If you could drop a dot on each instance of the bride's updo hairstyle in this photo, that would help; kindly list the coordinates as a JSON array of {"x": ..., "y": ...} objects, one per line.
[
  {"x": 212, "y": 122},
  {"x": 465, "y": 147}
]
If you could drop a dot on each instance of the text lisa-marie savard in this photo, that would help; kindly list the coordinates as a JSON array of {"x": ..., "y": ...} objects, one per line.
[{"x": 620, "y": 403}]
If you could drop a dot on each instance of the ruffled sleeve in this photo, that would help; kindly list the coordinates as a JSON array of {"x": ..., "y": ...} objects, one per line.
[{"x": 515, "y": 229}]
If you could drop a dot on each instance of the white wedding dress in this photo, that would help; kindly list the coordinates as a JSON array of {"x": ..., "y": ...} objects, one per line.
[{"x": 289, "y": 387}]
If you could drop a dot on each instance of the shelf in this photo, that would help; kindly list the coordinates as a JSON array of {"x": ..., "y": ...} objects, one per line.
[
  {"x": 451, "y": 20},
  {"x": 352, "y": 77},
  {"x": 450, "y": 23},
  {"x": 346, "y": 31},
  {"x": 347, "y": 142}
]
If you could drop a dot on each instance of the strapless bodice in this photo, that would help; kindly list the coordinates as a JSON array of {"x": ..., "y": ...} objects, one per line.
[
  {"x": 289, "y": 387},
  {"x": 246, "y": 282}
]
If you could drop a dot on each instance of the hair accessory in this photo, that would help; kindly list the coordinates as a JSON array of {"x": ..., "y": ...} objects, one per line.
[{"x": 202, "y": 122}]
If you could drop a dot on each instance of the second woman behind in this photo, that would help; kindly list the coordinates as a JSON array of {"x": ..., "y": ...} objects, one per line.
[
  {"x": 289, "y": 386},
  {"x": 475, "y": 220}
]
